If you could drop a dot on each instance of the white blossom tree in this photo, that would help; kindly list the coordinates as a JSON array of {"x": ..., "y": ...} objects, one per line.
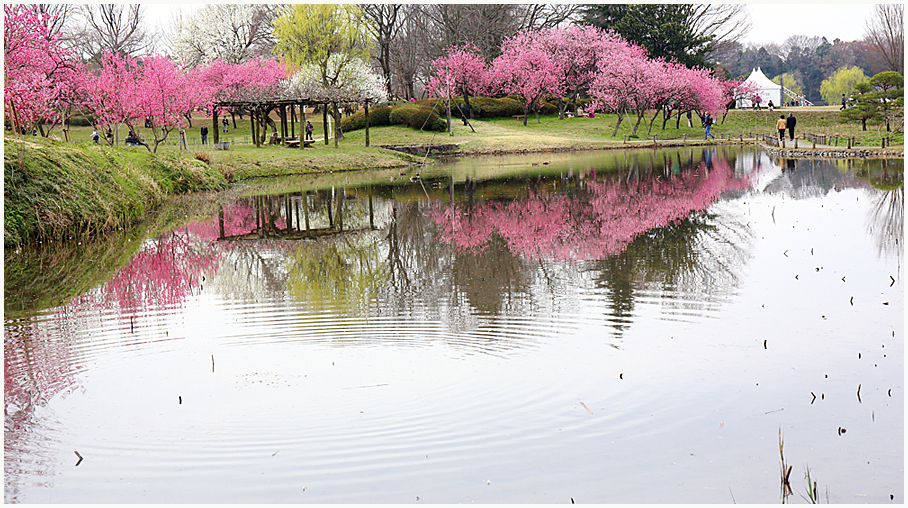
[
  {"x": 352, "y": 81},
  {"x": 232, "y": 33}
]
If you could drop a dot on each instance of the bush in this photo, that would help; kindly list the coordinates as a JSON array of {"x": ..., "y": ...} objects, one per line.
[
  {"x": 488, "y": 107},
  {"x": 78, "y": 121},
  {"x": 377, "y": 117},
  {"x": 417, "y": 116}
]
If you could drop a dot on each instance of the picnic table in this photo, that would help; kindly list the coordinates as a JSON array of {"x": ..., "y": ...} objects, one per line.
[{"x": 293, "y": 143}]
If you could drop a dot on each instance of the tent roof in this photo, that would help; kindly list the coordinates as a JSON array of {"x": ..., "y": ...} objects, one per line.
[{"x": 761, "y": 80}]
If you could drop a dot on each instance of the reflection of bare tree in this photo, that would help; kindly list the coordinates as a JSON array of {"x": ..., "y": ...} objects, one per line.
[
  {"x": 691, "y": 264},
  {"x": 887, "y": 220}
]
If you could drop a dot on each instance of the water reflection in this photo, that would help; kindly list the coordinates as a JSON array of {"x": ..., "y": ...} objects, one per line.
[{"x": 474, "y": 260}]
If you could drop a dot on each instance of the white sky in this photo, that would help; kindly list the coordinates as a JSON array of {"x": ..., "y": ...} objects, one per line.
[
  {"x": 775, "y": 22},
  {"x": 771, "y": 22}
]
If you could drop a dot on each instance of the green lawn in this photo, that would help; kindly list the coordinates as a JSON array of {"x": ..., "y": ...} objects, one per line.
[{"x": 244, "y": 160}]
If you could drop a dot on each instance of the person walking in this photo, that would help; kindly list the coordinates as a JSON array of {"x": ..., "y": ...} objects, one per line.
[
  {"x": 844, "y": 102},
  {"x": 309, "y": 129},
  {"x": 225, "y": 123},
  {"x": 790, "y": 123},
  {"x": 781, "y": 125},
  {"x": 707, "y": 124},
  {"x": 204, "y": 132}
]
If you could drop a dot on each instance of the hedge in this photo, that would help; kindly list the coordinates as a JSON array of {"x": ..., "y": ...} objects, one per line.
[
  {"x": 418, "y": 117},
  {"x": 377, "y": 117}
]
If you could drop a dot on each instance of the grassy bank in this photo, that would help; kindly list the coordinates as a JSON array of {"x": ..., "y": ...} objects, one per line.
[{"x": 57, "y": 190}]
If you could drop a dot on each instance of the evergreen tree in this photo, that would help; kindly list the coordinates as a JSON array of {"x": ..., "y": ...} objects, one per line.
[{"x": 664, "y": 30}]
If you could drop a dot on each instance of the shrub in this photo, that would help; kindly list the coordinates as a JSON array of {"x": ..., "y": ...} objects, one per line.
[
  {"x": 377, "y": 117},
  {"x": 488, "y": 107},
  {"x": 418, "y": 117}
]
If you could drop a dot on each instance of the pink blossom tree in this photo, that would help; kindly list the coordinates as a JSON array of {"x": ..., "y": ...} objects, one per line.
[
  {"x": 161, "y": 96},
  {"x": 688, "y": 89},
  {"x": 251, "y": 80},
  {"x": 39, "y": 73},
  {"x": 108, "y": 92},
  {"x": 527, "y": 70},
  {"x": 579, "y": 51},
  {"x": 462, "y": 71},
  {"x": 628, "y": 82},
  {"x": 735, "y": 89}
]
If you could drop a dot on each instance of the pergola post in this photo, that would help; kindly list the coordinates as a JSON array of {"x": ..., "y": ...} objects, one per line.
[
  {"x": 283, "y": 111},
  {"x": 255, "y": 137},
  {"x": 293, "y": 120}
]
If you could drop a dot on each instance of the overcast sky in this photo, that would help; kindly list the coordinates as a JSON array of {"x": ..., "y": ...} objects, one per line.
[
  {"x": 775, "y": 22},
  {"x": 772, "y": 22}
]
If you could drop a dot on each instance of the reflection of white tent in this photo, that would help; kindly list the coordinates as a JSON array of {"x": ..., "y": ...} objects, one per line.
[{"x": 768, "y": 91}]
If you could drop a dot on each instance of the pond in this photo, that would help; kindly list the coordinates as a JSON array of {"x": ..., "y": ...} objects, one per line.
[{"x": 603, "y": 327}]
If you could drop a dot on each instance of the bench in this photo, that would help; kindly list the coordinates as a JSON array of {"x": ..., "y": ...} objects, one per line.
[
  {"x": 294, "y": 143},
  {"x": 519, "y": 117}
]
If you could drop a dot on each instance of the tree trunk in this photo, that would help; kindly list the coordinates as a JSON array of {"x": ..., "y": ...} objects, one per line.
[
  {"x": 620, "y": 117},
  {"x": 325, "y": 121},
  {"x": 214, "y": 125},
  {"x": 466, "y": 102},
  {"x": 337, "y": 129},
  {"x": 367, "y": 123},
  {"x": 666, "y": 114},
  {"x": 448, "y": 115},
  {"x": 639, "y": 119},
  {"x": 649, "y": 129}
]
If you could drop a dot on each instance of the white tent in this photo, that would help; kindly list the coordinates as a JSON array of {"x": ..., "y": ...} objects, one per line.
[{"x": 768, "y": 91}]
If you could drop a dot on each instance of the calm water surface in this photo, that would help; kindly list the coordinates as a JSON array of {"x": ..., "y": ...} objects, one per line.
[{"x": 604, "y": 328}]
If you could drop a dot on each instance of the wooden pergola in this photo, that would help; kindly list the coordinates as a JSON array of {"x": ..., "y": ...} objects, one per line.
[{"x": 260, "y": 109}]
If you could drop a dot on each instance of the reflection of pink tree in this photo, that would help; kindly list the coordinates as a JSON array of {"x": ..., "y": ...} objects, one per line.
[
  {"x": 164, "y": 270},
  {"x": 598, "y": 223}
]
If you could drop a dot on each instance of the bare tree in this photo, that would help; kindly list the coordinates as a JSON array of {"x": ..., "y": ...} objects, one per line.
[
  {"x": 385, "y": 22},
  {"x": 58, "y": 15},
  {"x": 484, "y": 25},
  {"x": 886, "y": 32},
  {"x": 722, "y": 22},
  {"x": 409, "y": 57},
  {"x": 114, "y": 27},
  {"x": 808, "y": 43},
  {"x": 541, "y": 16}
]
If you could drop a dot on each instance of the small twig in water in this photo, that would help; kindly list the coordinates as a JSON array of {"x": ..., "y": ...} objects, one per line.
[
  {"x": 584, "y": 405},
  {"x": 859, "y": 392}
]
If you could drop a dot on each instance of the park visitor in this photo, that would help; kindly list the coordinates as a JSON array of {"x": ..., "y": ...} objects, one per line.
[
  {"x": 707, "y": 123},
  {"x": 790, "y": 123},
  {"x": 781, "y": 125}
]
